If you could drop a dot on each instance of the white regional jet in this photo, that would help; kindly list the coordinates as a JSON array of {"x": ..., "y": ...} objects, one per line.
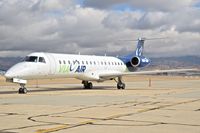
[{"x": 84, "y": 67}]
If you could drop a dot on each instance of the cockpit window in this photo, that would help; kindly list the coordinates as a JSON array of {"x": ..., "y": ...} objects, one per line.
[
  {"x": 41, "y": 59},
  {"x": 31, "y": 59}
]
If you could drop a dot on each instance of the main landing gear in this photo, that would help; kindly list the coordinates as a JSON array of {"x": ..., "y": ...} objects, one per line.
[
  {"x": 87, "y": 85},
  {"x": 120, "y": 84},
  {"x": 22, "y": 89}
]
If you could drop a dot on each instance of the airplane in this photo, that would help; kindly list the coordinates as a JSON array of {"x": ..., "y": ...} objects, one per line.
[{"x": 88, "y": 68}]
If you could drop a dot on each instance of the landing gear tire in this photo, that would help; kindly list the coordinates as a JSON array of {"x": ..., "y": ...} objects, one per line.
[
  {"x": 121, "y": 86},
  {"x": 87, "y": 85},
  {"x": 22, "y": 91},
  {"x": 90, "y": 86}
]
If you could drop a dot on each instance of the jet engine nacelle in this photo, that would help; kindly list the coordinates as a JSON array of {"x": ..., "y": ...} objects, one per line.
[{"x": 139, "y": 61}]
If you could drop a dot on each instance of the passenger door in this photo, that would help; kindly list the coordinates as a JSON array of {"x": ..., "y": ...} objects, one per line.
[{"x": 51, "y": 64}]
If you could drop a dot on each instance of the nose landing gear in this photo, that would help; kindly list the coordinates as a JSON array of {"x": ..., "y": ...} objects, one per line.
[
  {"x": 21, "y": 82},
  {"x": 22, "y": 89}
]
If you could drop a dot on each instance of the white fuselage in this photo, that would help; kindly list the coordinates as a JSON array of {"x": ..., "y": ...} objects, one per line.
[{"x": 83, "y": 67}]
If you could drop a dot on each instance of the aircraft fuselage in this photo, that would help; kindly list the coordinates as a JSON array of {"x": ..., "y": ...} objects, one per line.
[{"x": 83, "y": 67}]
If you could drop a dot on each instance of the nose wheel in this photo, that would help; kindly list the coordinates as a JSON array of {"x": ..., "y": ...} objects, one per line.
[
  {"x": 22, "y": 89},
  {"x": 87, "y": 85}
]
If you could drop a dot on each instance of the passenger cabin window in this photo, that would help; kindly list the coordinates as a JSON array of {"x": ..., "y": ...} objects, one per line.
[
  {"x": 31, "y": 59},
  {"x": 42, "y": 60},
  {"x": 74, "y": 62}
]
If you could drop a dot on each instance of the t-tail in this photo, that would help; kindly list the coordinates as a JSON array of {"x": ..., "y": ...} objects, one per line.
[
  {"x": 137, "y": 59},
  {"x": 140, "y": 47}
]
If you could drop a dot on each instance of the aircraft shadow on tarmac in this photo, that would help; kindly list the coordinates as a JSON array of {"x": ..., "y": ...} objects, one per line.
[{"x": 47, "y": 89}]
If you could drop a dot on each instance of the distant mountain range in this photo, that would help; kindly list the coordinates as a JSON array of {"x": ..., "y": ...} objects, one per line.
[
  {"x": 7, "y": 62},
  {"x": 175, "y": 62},
  {"x": 157, "y": 63}
]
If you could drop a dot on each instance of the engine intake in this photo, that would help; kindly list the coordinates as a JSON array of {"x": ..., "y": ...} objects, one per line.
[{"x": 135, "y": 61}]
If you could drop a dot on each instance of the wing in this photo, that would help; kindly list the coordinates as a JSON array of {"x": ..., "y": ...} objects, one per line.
[{"x": 118, "y": 74}]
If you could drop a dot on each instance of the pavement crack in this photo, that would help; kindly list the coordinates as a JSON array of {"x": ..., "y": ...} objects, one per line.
[
  {"x": 158, "y": 122},
  {"x": 23, "y": 127},
  {"x": 115, "y": 104},
  {"x": 45, "y": 123},
  {"x": 33, "y": 118},
  {"x": 9, "y": 114},
  {"x": 92, "y": 122},
  {"x": 130, "y": 125},
  {"x": 140, "y": 103}
]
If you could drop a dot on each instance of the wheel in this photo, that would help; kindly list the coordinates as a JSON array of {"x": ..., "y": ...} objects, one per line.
[
  {"x": 123, "y": 86},
  {"x": 85, "y": 86},
  {"x": 22, "y": 91},
  {"x": 120, "y": 86},
  {"x": 90, "y": 86}
]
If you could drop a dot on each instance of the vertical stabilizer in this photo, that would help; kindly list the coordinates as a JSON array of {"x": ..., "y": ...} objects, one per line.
[{"x": 140, "y": 47}]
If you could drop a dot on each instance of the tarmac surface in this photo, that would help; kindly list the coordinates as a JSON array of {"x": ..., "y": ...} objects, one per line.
[{"x": 147, "y": 105}]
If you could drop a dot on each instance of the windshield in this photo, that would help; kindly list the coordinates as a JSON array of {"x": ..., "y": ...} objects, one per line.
[
  {"x": 41, "y": 59},
  {"x": 31, "y": 59}
]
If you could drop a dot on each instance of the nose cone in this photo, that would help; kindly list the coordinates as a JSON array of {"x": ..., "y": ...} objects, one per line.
[
  {"x": 9, "y": 75},
  {"x": 16, "y": 71},
  {"x": 13, "y": 72}
]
